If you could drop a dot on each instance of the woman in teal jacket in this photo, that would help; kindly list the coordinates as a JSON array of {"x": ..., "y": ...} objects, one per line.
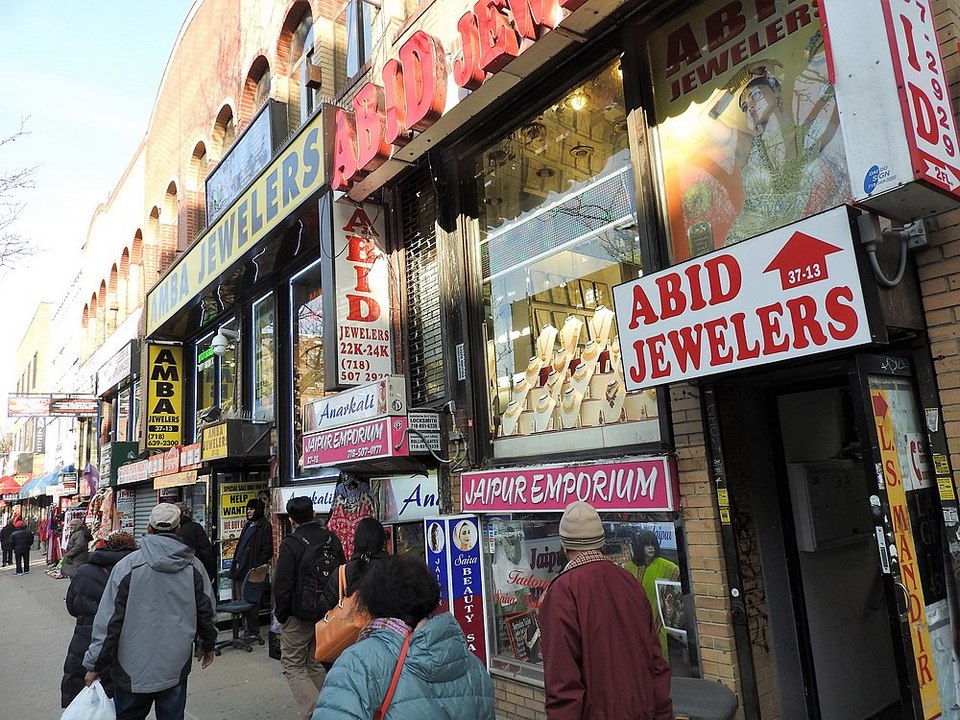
[{"x": 439, "y": 677}]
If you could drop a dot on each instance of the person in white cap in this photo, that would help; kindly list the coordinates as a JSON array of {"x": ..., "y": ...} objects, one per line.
[
  {"x": 157, "y": 602},
  {"x": 601, "y": 657}
]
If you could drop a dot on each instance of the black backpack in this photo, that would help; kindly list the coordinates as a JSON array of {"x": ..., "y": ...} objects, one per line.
[{"x": 318, "y": 562}]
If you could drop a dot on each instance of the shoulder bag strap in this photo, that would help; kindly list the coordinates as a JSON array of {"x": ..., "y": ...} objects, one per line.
[
  {"x": 342, "y": 581},
  {"x": 381, "y": 713}
]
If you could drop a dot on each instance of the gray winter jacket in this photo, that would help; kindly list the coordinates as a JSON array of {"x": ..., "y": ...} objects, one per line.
[{"x": 157, "y": 601}]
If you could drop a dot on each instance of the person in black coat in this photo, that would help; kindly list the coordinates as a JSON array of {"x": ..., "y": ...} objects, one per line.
[
  {"x": 369, "y": 547},
  {"x": 83, "y": 599},
  {"x": 6, "y": 544},
  {"x": 254, "y": 548},
  {"x": 194, "y": 536},
  {"x": 22, "y": 539}
]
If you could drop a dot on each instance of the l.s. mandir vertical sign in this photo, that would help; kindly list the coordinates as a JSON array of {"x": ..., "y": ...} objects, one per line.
[{"x": 412, "y": 94}]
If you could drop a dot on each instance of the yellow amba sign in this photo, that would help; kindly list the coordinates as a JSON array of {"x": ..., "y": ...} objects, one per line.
[{"x": 289, "y": 180}]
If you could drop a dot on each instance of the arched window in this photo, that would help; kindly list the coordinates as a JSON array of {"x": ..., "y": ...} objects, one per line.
[
  {"x": 224, "y": 131},
  {"x": 305, "y": 74},
  {"x": 102, "y": 313},
  {"x": 256, "y": 89},
  {"x": 196, "y": 198},
  {"x": 113, "y": 302},
  {"x": 135, "y": 286},
  {"x": 123, "y": 285}
]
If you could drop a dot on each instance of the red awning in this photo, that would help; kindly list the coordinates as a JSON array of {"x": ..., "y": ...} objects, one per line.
[{"x": 8, "y": 485}]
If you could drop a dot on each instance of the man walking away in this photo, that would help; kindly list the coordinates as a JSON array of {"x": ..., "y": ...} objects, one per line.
[
  {"x": 6, "y": 545},
  {"x": 616, "y": 671},
  {"x": 158, "y": 600},
  {"x": 307, "y": 553},
  {"x": 193, "y": 534},
  {"x": 22, "y": 540}
]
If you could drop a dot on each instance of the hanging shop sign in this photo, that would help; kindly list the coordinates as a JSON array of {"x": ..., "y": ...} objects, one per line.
[
  {"x": 177, "y": 479},
  {"x": 363, "y": 345},
  {"x": 235, "y": 438},
  {"x": 453, "y": 554},
  {"x": 133, "y": 472},
  {"x": 374, "y": 439},
  {"x": 164, "y": 396},
  {"x": 387, "y": 396},
  {"x": 641, "y": 485},
  {"x": 119, "y": 367},
  {"x": 790, "y": 293},
  {"x": 405, "y": 498},
  {"x": 321, "y": 495},
  {"x": 889, "y": 66},
  {"x": 413, "y": 93},
  {"x": 46, "y": 405},
  {"x": 39, "y": 436},
  {"x": 295, "y": 175}
]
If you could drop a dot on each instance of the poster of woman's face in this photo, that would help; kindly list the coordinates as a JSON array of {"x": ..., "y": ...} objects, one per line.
[
  {"x": 465, "y": 535},
  {"x": 435, "y": 537}
]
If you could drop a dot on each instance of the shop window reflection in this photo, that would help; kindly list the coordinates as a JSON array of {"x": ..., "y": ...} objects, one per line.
[
  {"x": 308, "y": 370},
  {"x": 264, "y": 354},
  {"x": 558, "y": 228}
]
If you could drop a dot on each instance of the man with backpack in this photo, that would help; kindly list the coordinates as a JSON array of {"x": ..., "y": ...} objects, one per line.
[{"x": 307, "y": 558}]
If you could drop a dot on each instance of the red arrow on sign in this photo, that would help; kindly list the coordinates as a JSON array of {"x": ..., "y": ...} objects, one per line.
[
  {"x": 802, "y": 260},
  {"x": 879, "y": 406}
]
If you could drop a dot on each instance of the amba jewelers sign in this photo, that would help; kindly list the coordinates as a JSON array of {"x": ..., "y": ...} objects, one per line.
[{"x": 789, "y": 293}]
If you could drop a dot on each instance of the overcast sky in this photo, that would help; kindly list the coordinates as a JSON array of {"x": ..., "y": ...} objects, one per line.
[{"x": 84, "y": 75}]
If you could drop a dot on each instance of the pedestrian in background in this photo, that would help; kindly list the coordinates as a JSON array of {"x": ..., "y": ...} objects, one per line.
[
  {"x": 439, "y": 676},
  {"x": 254, "y": 548},
  {"x": 6, "y": 544},
  {"x": 78, "y": 548},
  {"x": 193, "y": 534},
  {"x": 22, "y": 539},
  {"x": 369, "y": 548},
  {"x": 601, "y": 655},
  {"x": 83, "y": 599},
  {"x": 158, "y": 601},
  {"x": 297, "y": 641}
]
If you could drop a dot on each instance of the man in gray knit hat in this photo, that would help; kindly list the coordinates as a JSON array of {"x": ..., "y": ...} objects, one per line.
[{"x": 601, "y": 656}]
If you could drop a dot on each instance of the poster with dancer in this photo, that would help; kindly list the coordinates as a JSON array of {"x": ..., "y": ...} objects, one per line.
[{"x": 747, "y": 122}]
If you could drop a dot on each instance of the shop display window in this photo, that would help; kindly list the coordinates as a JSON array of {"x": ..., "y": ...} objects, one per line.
[
  {"x": 522, "y": 554},
  {"x": 216, "y": 376},
  {"x": 306, "y": 303},
  {"x": 558, "y": 229},
  {"x": 407, "y": 539},
  {"x": 264, "y": 358},
  {"x": 123, "y": 415}
]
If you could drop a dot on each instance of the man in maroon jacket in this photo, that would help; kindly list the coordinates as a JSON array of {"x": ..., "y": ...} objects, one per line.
[{"x": 601, "y": 656}]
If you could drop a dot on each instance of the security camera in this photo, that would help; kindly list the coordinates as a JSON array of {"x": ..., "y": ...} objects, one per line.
[
  {"x": 220, "y": 344},
  {"x": 221, "y": 341}
]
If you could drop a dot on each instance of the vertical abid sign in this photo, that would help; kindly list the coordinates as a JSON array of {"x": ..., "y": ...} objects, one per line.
[
  {"x": 164, "y": 396},
  {"x": 364, "y": 345}
]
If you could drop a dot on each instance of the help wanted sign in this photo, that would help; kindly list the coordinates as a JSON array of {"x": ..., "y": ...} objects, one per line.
[{"x": 788, "y": 293}]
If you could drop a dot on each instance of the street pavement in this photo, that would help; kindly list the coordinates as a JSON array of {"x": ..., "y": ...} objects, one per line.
[{"x": 35, "y": 630}]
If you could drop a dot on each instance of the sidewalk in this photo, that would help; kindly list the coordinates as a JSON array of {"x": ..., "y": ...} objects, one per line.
[{"x": 35, "y": 630}]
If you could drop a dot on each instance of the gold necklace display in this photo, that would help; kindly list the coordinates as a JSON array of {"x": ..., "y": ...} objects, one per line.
[{"x": 570, "y": 408}]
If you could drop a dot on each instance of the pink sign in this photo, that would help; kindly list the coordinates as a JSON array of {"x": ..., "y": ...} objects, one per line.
[
  {"x": 386, "y": 437},
  {"x": 644, "y": 485}
]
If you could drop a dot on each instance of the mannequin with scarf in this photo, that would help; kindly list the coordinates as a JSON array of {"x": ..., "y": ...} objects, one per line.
[{"x": 254, "y": 548}]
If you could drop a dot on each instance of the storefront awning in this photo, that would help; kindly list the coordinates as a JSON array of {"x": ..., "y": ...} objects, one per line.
[
  {"x": 8, "y": 485},
  {"x": 38, "y": 485}
]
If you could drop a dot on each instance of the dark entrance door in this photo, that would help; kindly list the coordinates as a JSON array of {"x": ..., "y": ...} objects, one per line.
[{"x": 831, "y": 461}]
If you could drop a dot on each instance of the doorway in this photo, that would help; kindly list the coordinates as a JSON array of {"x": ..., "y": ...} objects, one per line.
[{"x": 848, "y": 541}]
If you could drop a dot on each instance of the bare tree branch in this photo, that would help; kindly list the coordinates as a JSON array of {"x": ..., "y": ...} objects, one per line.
[{"x": 14, "y": 247}]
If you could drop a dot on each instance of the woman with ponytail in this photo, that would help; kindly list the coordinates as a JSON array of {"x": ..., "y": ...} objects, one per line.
[{"x": 369, "y": 547}]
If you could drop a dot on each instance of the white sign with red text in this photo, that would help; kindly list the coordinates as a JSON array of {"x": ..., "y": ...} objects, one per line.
[
  {"x": 788, "y": 293},
  {"x": 924, "y": 92},
  {"x": 364, "y": 340}
]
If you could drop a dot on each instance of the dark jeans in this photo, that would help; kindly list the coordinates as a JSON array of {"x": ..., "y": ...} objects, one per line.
[
  {"x": 23, "y": 560},
  {"x": 169, "y": 704},
  {"x": 252, "y": 618},
  {"x": 8, "y": 556}
]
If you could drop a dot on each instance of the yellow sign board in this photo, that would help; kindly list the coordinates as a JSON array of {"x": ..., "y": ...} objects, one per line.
[
  {"x": 164, "y": 396},
  {"x": 907, "y": 555},
  {"x": 214, "y": 441},
  {"x": 233, "y": 515},
  {"x": 177, "y": 479},
  {"x": 292, "y": 178}
]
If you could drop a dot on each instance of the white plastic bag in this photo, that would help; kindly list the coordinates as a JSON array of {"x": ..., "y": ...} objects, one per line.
[{"x": 91, "y": 704}]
